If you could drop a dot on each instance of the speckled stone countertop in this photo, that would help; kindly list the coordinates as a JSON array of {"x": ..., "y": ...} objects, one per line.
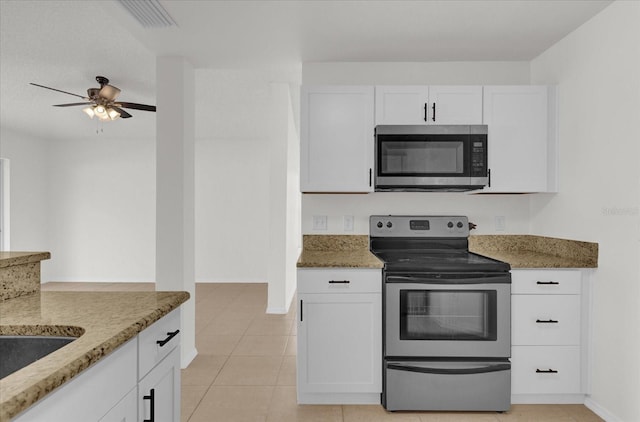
[
  {"x": 9, "y": 259},
  {"x": 521, "y": 251},
  {"x": 348, "y": 251},
  {"x": 105, "y": 321},
  {"x": 530, "y": 251}
]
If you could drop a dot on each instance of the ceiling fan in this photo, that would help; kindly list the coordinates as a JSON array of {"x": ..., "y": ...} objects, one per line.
[{"x": 101, "y": 102}]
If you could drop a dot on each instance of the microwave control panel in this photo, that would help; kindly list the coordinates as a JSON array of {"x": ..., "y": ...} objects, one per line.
[{"x": 478, "y": 156}]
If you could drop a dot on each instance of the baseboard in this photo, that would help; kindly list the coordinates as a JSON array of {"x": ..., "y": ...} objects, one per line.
[
  {"x": 226, "y": 280},
  {"x": 275, "y": 310},
  {"x": 187, "y": 357},
  {"x": 600, "y": 411}
]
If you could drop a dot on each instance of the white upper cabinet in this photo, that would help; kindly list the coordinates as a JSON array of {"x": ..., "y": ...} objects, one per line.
[
  {"x": 421, "y": 105},
  {"x": 336, "y": 131},
  {"x": 522, "y": 141}
]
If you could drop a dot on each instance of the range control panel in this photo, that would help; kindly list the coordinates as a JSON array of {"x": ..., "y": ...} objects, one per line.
[{"x": 418, "y": 226}]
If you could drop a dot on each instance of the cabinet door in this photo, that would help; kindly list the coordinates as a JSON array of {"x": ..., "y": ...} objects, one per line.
[
  {"x": 336, "y": 149},
  {"x": 125, "y": 411},
  {"x": 402, "y": 105},
  {"x": 159, "y": 391},
  {"x": 455, "y": 105},
  {"x": 420, "y": 105},
  {"x": 518, "y": 138},
  {"x": 340, "y": 343}
]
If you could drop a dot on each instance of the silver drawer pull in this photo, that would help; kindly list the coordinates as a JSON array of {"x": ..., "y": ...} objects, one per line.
[
  {"x": 339, "y": 282},
  {"x": 168, "y": 339},
  {"x": 546, "y": 321},
  {"x": 546, "y": 371}
]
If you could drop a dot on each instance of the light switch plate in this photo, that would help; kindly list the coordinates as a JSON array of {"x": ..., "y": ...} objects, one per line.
[{"x": 500, "y": 223}]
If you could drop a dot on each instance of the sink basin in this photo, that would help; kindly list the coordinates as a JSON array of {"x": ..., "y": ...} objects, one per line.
[{"x": 16, "y": 352}]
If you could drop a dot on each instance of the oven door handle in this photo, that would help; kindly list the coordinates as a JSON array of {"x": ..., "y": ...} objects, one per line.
[
  {"x": 451, "y": 371},
  {"x": 485, "y": 279}
]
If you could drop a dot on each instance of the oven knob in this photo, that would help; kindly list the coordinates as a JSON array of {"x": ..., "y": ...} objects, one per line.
[
  {"x": 389, "y": 225},
  {"x": 460, "y": 224},
  {"x": 379, "y": 224},
  {"x": 450, "y": 224}
]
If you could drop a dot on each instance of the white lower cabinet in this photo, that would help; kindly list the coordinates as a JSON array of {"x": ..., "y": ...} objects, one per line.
[
  {"x": 159, "y": 391},
  {"x": 339, "y": 336},
  {"x": 125, "y": 411},
  {"x": 548, "y": 353},
  {"x": 112, "y": 390}
]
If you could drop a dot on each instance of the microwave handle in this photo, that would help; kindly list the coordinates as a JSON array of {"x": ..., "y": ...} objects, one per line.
[{"x": 451, "y": 371}]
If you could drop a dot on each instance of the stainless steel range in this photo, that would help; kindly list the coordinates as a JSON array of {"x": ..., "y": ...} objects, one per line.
[{"x": 447, "y": 317}]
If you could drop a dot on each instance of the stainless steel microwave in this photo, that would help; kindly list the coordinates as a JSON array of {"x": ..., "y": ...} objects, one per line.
[{"x": 430, "y": 157}]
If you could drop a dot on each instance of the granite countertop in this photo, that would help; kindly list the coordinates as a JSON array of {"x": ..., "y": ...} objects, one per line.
[
  {"x": 346, "y": 251},
  {"x": 9, "y": 259},
  {"x": 530, "y": 251},
  {"x": 105, "y": 321},
  {"x": 520, "y": 251}
]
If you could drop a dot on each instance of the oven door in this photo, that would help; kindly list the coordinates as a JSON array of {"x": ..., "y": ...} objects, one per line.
[{"x": 450, "y": 316}]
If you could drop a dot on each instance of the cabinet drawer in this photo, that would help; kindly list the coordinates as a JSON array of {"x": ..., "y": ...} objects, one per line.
[
  {"x": 545, "y": 319},
  {"x": 545, "y": 282},
  {"x": 340, "y": 280},
  {"x": 150, "y": 352},
  {"x": 545, "y": 369}
]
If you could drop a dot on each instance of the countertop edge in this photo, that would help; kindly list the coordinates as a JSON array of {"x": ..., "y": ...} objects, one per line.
[
  {"x": 9, "y": 259},
  {"x": 42, "y": 387}
]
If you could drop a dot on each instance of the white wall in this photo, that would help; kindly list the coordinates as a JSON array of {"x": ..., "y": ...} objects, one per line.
[
  {"x": 28, "y": 168},
  {"x": 481, "y": 209},
  {"x": 233, "y": 176},
  {"x": 99, "y": 210},
  {"x": 597, "y": 69}
]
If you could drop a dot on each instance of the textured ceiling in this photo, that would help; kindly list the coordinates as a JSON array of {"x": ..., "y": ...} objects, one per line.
[{"x": 65, "y": 44}]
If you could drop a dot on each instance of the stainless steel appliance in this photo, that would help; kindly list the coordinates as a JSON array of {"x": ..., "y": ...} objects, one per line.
[
  {"x": 431, "y": 157},
  {"x": 447, "y": 317}
]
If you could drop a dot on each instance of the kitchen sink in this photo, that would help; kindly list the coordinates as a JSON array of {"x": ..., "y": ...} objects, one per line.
[{"x": 16, "y": 352}]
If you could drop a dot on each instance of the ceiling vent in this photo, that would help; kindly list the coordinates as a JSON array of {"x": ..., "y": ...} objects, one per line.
[{"x": 149, "y": 13}]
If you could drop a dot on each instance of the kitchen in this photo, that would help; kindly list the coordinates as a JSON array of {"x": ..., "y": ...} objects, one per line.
[{"x": 589, "y": 207}]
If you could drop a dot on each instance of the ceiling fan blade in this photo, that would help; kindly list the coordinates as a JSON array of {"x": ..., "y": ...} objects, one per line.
[
  {"x": 59, "y": 90},
  {"x": 72, "y": 104},
  {"x": 123, "y": 114},
  {"x": 136, "y": 106}
]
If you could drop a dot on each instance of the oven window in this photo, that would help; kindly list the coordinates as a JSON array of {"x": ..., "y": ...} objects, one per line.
[
  {"x": 421, "y": 157},
  {"x": 448, "y": 315}
]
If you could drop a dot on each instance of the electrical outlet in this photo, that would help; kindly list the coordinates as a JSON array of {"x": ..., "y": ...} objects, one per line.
[
  {"x": 500, "y": 223},
  {"x": 348, "y": 223},
  {"x": 320, "y": 222}
]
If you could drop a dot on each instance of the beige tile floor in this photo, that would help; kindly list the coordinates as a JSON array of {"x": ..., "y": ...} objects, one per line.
[{"x": 246, "y": 367}]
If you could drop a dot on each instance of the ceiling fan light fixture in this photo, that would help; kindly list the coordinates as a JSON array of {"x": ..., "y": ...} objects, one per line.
[
  {"x": 89, "y": 111},
  {"x": 113, "y": 114}
]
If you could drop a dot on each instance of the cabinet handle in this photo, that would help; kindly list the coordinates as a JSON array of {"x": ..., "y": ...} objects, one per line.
[
  {"x": 151, "y": 398},
  {"x": 489, "y": 177},
  {"x": 434, "y": 112},
  {"x": 425, "y": 112},
  {"x": 370, "y": 177},
  {"x": 547, "y": 282},
  {"x": 546, "y": 321},
  {"x": 301, "y": 312},
  {"x": 168, "y": 339},
  {"x": 546, "y": 371},
  {"x": 339, "y": 282}
]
